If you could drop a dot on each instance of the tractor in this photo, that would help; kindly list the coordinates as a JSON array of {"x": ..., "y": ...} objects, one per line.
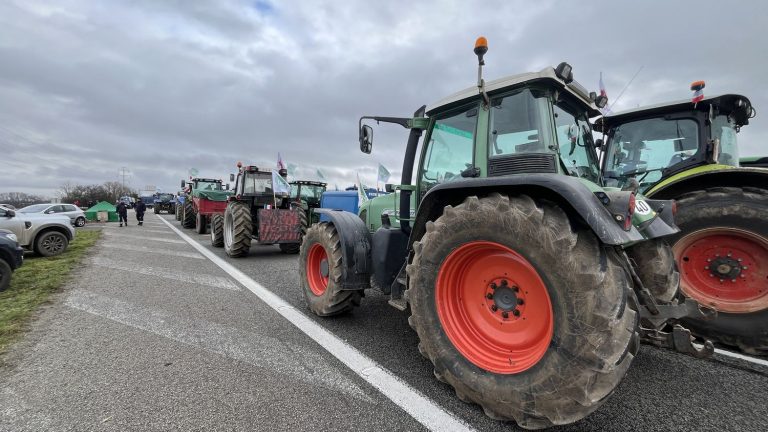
[
  {"x": 259, "y": 210},
  {"x": 179, "y": 203},
  {"x": 204, "y": 198},
  {"x": 307, "y": 195},
  {"x": 164, "y": 202},
  {"x": 687, "y": 151},
  {"x": 530, "y": 286}
]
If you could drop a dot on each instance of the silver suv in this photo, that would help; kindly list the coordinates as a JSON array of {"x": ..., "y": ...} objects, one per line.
[
  {"x": 48, "y": 235},
  {"x": 75, "y": 214}
]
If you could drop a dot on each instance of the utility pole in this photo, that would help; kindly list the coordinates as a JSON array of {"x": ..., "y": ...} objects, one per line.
[{"x": 123, "y": 173}]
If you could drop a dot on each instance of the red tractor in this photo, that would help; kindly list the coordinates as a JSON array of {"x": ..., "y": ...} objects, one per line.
[{"x": 208, "y": 197}]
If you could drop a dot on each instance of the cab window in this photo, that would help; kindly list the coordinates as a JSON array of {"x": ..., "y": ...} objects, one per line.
[
  {"x": 574, "y": 137},
  {"x": 450, "y": 148}
]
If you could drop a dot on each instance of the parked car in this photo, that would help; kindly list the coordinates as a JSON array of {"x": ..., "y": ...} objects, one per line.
[
  {"x": 75, "y": 214},
  {"x": 11, "y": 257},
  {"x": 46, "y": 234},
  {"x": 8, "y": 206}
]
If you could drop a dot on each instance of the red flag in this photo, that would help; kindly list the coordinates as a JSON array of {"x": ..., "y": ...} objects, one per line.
[{"x": 280, "y": 164}]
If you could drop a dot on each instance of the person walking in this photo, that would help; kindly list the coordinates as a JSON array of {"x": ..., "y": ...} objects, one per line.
[
  {"x": 140, "y": 208},
  {"x": 122, "y": 213}
]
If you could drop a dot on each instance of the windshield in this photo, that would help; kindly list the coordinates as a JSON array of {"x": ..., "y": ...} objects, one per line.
[
  {"x": 37, "y": 208},
  {"x": 642, "y": 149},
  {"x": 203, "y": 185},
  {"x": 255, "y": 183},
  {"x": 724, "y": 129},
  {"x": 574, "y": 138},
  {"x": 164, "y": 197},
  {"x": 308, "y": 192},
  {"x": 517, "y": 123}
]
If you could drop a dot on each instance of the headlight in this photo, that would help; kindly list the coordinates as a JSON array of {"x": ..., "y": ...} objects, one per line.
[{"x": 12, "y": 237}]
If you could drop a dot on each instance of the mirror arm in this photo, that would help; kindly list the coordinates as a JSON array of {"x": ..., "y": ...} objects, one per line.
[{"x": 402, "y": 121}]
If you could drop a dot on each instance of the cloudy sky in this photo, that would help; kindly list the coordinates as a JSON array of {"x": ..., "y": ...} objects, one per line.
[{"x": 159, "y": 86}]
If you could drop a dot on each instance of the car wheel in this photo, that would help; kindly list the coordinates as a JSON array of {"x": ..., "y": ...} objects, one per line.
[
  {"x": 5, "y": 275},
  {"x": 80, "y": 222},
  {"x": 51, "y": 243}
]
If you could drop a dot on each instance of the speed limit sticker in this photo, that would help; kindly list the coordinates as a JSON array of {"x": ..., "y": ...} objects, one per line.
[{"x": 641, "y": 207}]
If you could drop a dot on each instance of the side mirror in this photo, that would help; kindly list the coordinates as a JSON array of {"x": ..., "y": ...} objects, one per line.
[
  {"x": 231, "y": 178},
  {"x": 227, "y": 186},
  {"x": 389, "y": 187},
  {"x": 599, "y": 144},
  {"x": 366, "y": 139},
  {"x": 601, "y": 101},
  {"x": 183, "y": 183}
]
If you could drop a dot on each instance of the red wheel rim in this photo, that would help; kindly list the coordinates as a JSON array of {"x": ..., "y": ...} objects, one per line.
[
  {"x": 494, "y": 307},
  {"x": 317, "y": 269},
  {"x": 726, "y": 268}
]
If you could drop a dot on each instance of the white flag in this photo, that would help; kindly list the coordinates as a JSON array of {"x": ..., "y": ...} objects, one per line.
[{"x": 361, "y": 195}]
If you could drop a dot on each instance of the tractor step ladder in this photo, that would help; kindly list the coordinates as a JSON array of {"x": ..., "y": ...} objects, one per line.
[{"x": 399, "y": 304}]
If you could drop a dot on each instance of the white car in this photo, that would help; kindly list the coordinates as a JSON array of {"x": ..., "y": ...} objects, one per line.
[
  {"x": 75, "y": 214},
  {"x": 48, "y": 235}
]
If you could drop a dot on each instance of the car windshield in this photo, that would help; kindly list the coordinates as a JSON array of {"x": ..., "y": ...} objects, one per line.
[
  {"x": 165, "y": 197},
  {"x": 643, "y": 148},
  {"x": 255, "y": 183},
  {"x": 203, "y": 185},
  {"x": 37, "y": 208}
]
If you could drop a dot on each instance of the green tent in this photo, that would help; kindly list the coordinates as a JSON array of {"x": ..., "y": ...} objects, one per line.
[{"x": 92, "y": 213}]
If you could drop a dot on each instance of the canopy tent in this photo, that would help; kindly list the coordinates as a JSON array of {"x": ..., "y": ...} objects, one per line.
[{"x": 92, "y": 213}]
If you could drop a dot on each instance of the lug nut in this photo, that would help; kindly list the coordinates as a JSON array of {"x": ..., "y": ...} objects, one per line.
[
  {"x": 739, "y": 259},
  {"x": 516, "y": 313},
  {"x": 489, "y": 296},
  {"x": 515, "y": 289},
  {"x": 745, "y": 268},
  {"x": 504, "y": 315},
  {"x": 493, "y": 285},
  {"x": 503, "y": 282},
  {"x": 520, "y": 301},
  {"x": 494, "y": 308}
]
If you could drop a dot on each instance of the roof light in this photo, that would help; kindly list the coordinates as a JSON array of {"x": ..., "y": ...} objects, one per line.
[
  {"x": 564, "y": 71},
  {"x": 697, "y": 85},
  {"x": 481, "y": 47}
]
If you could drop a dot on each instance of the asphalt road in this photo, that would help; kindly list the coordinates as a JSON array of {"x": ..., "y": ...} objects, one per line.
[{"x": 152, "y": 335}]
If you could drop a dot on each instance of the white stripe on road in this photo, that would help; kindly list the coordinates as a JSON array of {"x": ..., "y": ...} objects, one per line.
[
  {"x": 189, "y": 277},
  {"x": 741, "y": 357},
  {"x": 138, "y": 237},
  {"x": 167, "y": 252},
  {"x": 256, "y": 349},
  {"x": 421, "y": 408}
]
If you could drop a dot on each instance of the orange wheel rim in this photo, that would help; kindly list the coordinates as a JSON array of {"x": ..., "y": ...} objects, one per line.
[
  {"x": 494, "y": 307},
  {"x": 726, "y": 268},
  {"x": 317, "y": 269}
]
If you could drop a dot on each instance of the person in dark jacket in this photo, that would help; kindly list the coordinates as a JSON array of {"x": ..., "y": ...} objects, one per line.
[
  {"x": 140, "y": 208},
  {"x": 122, "y": 213}
]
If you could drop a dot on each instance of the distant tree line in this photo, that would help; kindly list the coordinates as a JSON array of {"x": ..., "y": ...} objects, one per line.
[
  {"x": 88, "y": 195},
  {"x": 21, "y": 199}
]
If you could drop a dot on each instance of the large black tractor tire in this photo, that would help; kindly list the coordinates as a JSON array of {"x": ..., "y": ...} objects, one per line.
[
  {"x": 320, "y": 268},
  {"x": 179, "y": 212},
  {"x": 655, "y": 266},
  {"x": 188, "y": 215},
  {"x": 722, "y": 252},
  {"x": 156, "y": 210},
  {"x": 238, "y": 229},
  {"x": 201, "y": 223},
  {"x": 217, "y": 230},
  {"x": 521, "y": 312},
  {"x": 51, "y": 243},
  {"x": 5, "y": 275},
  {"x": 294, "y": 248}
]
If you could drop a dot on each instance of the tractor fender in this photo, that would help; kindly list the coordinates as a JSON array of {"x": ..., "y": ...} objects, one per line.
[
  {"x": 355, "y": 242},
  {"x": 684, "y": 182},
  {"x": 568, "y": 192}
]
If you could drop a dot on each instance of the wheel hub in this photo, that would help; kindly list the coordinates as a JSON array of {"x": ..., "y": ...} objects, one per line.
[
  {"x": 725, "y": 267},
  {"x": 324, "y": 268},
  {"x": 504, "y": 298}
]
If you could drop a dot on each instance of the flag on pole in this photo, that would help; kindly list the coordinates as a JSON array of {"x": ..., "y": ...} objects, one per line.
[
  {"x": 279, "y": 184},
  {"x": 361, "y": 195},
  {"x": 383, "y": 174},
  {"x": 320, "y": 174},
  {"x": 604, "y": 110},
  {"x": 280, "y": 163},
  {"x": 698, "y": 92}
]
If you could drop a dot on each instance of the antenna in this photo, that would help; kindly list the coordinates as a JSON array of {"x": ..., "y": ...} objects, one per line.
[{"x": 626, "y": 86}]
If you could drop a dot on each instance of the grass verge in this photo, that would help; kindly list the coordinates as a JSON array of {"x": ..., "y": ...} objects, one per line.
[{"x": 35, "y": 281}]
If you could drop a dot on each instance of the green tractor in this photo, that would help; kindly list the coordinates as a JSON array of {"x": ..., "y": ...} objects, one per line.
[
  {"x": 687, "y": 151},
  {"x": 530, "y": 285},
  {"x": 259, "y": 210},
  {"x": 307, "y": 194}
]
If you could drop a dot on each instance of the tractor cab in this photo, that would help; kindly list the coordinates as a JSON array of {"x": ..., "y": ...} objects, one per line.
[
  {"x": 255, "y": 185},
  {"x": 308, "y": 192},
  {"x": 648, "y": 144}
]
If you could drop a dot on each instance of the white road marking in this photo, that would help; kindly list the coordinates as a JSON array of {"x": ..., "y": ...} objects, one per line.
[
  {"x": 421, "y": 408},
  {"x": 255, "y": 349},
  {"x": 138, "y": 237},
  {"x": 167, "y": 252},
  {"x": 143, "y": 229},
  {"x": 741, "y": 357},
  {"x": 165, "y": 273}
]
